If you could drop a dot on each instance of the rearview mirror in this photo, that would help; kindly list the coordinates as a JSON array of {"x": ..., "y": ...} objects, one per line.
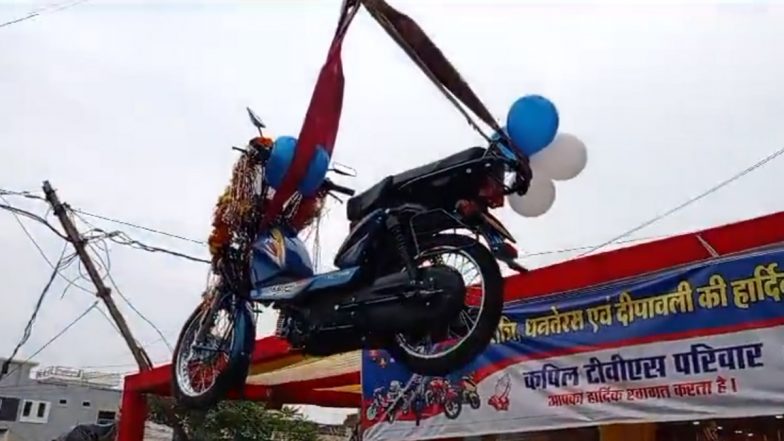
[
  {"x": 255, "y": 120},
  {"x": 343, "y": 169}
]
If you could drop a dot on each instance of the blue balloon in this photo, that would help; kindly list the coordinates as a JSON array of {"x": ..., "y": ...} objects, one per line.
[
  {"x": 532, "y": 123},
  {"x": 280, "y": 160},
  {"x": 317, "y": 171}
]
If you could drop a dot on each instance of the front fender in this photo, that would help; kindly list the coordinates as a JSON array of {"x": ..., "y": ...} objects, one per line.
[{"x": 244, "y": 331}]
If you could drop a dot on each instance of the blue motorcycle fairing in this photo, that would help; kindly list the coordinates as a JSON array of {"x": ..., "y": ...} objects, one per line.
[
  {"x": 244, "y": 338},
  {"x": 279, "y": 255},
  {"x": 290, "y": 290},
  {"x": 356, "y": 246}
]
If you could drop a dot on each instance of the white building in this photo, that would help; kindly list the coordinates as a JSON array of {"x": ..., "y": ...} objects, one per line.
[{"x": 55, "y": 400}]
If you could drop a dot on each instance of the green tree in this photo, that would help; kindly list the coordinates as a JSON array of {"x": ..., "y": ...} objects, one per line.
[{"x": 239, "y": 421}]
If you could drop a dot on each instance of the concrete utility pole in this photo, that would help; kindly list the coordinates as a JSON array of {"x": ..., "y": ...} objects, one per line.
[{"x": 104, "y": 293}]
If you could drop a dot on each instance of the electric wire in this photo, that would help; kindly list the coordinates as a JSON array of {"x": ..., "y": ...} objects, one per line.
[
  {"x": 587, "y": 247},
  {"x": 107, "y": 265},
  {"x": 690, "y": 201},
  {"x": 122, "y": 238},
  {"x": 51, "y": 340},
  {"x": 103, "y": 264},
  {"x": 71, "y": 282},
  {"x": 28, "y": 329},
  {"x": 55, "y": 7},
  {"x": 20, "y": 212},
  {"x": 139, "y": 227}
]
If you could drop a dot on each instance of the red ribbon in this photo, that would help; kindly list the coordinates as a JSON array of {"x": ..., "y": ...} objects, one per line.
[{"x": 322, "y": 119}]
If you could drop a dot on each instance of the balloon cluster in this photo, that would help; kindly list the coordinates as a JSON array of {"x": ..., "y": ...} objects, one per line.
[
  {"x": 532, "y": 125},
  {"x": 280, "y": 159}
]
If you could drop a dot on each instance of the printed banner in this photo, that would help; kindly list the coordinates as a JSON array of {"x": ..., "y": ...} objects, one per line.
[{"x": 705, "y": 341}]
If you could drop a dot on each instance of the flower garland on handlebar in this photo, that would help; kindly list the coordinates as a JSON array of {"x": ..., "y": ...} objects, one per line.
[{"x": 240, "y": 208}]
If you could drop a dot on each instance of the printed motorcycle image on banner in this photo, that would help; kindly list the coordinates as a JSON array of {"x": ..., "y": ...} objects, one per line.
[{"x": 704, "y": 341}]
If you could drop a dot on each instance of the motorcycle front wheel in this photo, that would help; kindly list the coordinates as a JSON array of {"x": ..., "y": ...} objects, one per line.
[
  {"x": 471, "y": 331},
  {"x": 452, "y": 408},
  {"x": 370, "y": 412},
  {"x": 204, "y": 371}
]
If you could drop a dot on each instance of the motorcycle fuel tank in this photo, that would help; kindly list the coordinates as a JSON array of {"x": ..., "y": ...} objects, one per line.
[{"x": 279, "y": 256}]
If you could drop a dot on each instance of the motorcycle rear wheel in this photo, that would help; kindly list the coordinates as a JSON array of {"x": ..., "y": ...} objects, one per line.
[
  {"x": 473, "y": 401},
  {"x": 230, "y": 358},
  {"x": 416, "y": 357}
]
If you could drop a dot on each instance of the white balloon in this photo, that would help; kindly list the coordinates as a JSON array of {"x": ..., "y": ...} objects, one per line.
[
  {"x": 563, "y": 159},
  {"x": 537, "y": 201}
]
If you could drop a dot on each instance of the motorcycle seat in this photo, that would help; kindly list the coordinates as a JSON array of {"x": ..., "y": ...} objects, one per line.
[{"x": 377, "y": 196}]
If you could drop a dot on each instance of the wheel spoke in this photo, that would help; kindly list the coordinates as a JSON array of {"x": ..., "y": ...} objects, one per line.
[
  {"x": 199, "y": 364},
  {"x": 466, "y": 321}
]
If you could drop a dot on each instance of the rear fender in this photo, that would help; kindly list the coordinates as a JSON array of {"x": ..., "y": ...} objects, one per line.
[
  {"x": 497, "y": 236},
  {"x": 431, "y": 222},
  {"x": 494, "y": 226}
]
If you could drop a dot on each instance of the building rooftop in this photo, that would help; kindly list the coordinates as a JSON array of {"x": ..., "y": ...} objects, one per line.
[
  {"x": 80, "y": 376},
  {"x": 19, "y": 362}
]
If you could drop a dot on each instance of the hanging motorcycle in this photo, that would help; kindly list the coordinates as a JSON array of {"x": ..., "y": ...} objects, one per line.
[
  {"x": 406, "y": 281},
  {"x": 418, "y": 273}
]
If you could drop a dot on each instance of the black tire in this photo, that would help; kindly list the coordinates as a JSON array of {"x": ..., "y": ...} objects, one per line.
[
  {"x": 418, "y": 407},
  {"x": 473, "y": 400},
  {"x": 236, "y": 371},
  {"x": 370, "y": 412},
  {"x": 430, "y": 398},
  {"x": 488, "y": 319},
  {"x": 452, "y": 408}
]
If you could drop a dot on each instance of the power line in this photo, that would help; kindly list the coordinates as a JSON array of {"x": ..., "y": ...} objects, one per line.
[
  {"x": 27, "y": 194},
  {"x": 139, "y": 313},
  {"x": 139, "y": 227},
  {"x": 29, "y": 214},
  {"x": 122, "y": 238},
  {"x": 587, "y": 247},
  {"x": 711, "y": 190},
  {"x": 118, "y": 237},
  {"x": 107, "y": 265},
  {"x": 53, "y": 339},
  {"x": 46, "y": 9},
  {"x": 28, "y": 329},
  {"x": 71, "y": 282},
  {"x": 27, "y": 233},
  {"x": 129, "y": 303},
  {"x": 31, "y": 195}
]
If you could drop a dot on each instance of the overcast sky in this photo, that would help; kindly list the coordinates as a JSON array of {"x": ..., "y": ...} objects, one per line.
[{"x": 130, "y": 109}]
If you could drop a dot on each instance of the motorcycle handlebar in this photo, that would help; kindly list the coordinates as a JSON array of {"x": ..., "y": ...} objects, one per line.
[{"x": 331, "y": 186}]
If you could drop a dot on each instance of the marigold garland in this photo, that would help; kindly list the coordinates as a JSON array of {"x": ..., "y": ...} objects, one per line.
[{"x": 238, "y": 200}]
